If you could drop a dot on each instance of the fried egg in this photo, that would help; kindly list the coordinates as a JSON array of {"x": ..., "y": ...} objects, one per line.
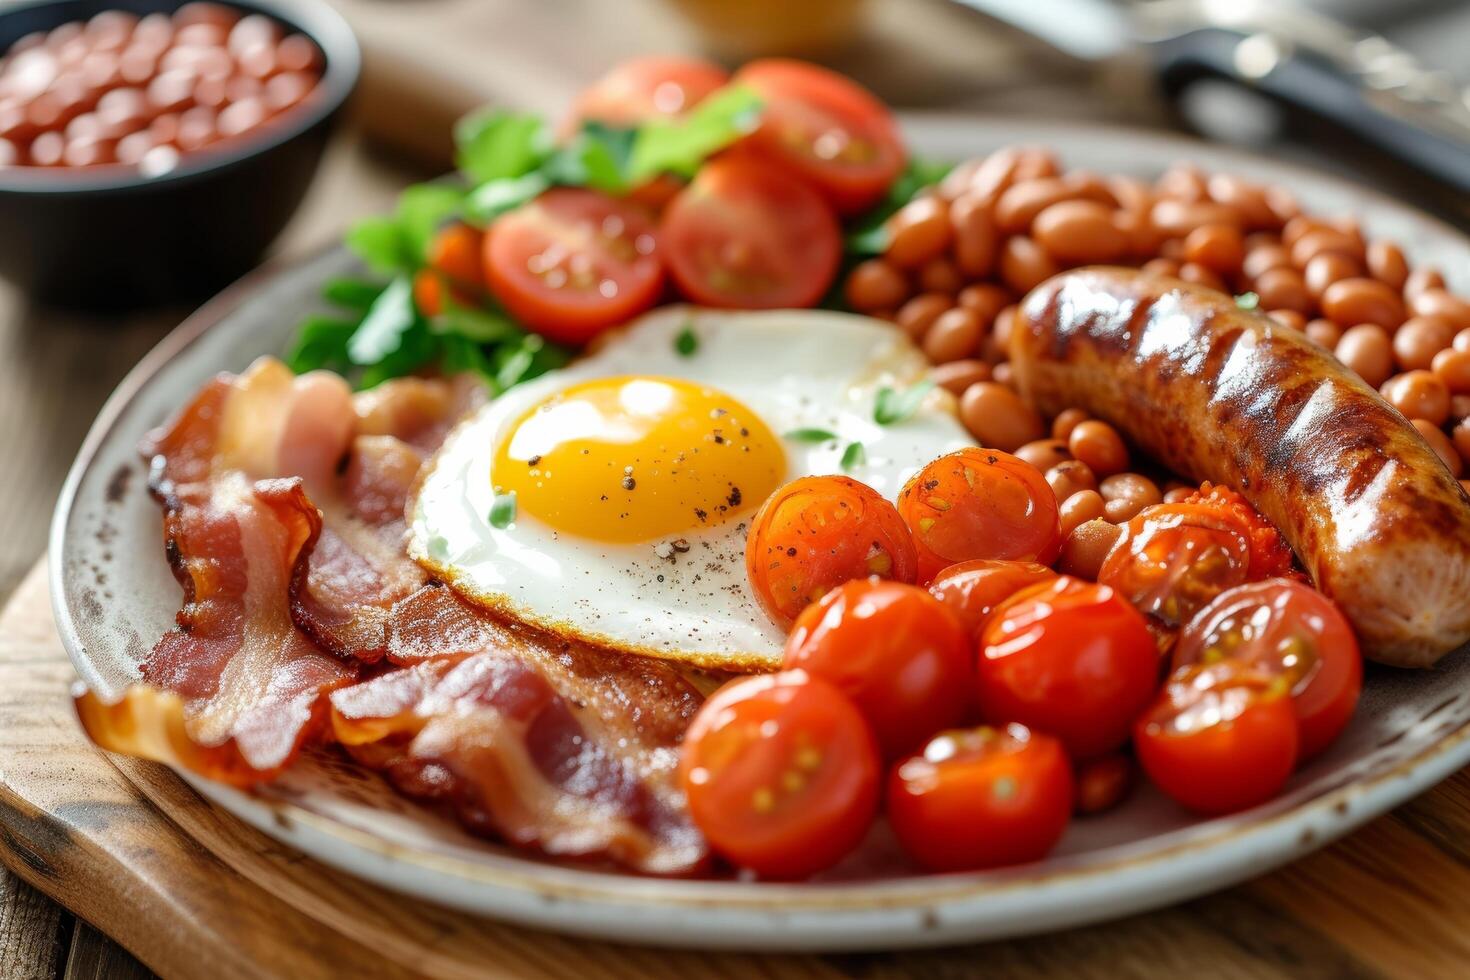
[{"x": 609, "y": 501}]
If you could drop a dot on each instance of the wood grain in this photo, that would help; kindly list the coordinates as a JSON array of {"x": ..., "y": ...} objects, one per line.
[{"x": 143, "y": 858}]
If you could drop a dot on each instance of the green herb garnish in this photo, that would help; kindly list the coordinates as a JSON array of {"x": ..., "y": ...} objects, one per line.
[
  {"x": 894, "y": 406},
  {"x": 503, "y": 510},
  {"x": 853, "y": 456},
  {"x": 810, "y": 435},
  {"x": 1248, "y": 301},
  {"x": 869, "y": 236}
]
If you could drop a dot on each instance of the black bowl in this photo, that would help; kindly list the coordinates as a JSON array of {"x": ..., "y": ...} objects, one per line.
[{"x": 111, "y": 239}]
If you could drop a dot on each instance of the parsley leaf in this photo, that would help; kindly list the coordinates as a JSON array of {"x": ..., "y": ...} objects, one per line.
[
  {"x": 380, "y": 242},
  {"x": 854, "y": 455},
  {"x": 494, "y": 145},
  {"x": 490, "y": 200},
  {"x": 383, "y": 329},
  {"x": 503, "y": 510},
  {"x": 321, "y": 342},
  {"x": 870, "y": 235},
  {"x": 810, "y": 435},
  {"x": 894, "y": 406},
  {"x": 422, "y": 209},
  {"x": 352, "y": 294},
  {"x": 481, "y": 325},
  {"x": 679, "y": 146},
  {"x": 1248, "y": 301},
  {"x": 687, "y": 341}
]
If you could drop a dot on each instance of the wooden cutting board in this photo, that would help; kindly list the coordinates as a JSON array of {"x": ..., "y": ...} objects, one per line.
[{"x": 189, "y": 889}]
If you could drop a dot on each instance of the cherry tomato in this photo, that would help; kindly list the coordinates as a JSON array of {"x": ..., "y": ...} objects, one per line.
[
  {"x": 429, "y": 288},
  {"x": 1219, "y": 738},
  {"x": 781, "y": 773},
  {"x": 901, "y": 656},
  {"x": 1070, "y": 658},
  {"x": 573, "y": 262},
  {"x": 816, "y": 533},
  {"x": 457, "y": 252},
  {"x": 1103, "y": 783},
  {"x": 646, "y": 88},
  {"x": 972, "y": 589},
  {"x": 981, "y": 798},
  {"x": 1282, "y": 628},
  {"x": 826, "y": 128},
  {"x": 746, "y": 236},
  {"x": 1270, "y": 555},
  {"x": 980, "y": 503}
]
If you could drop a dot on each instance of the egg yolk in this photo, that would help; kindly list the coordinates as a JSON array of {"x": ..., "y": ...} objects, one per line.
[{"x": 637, "y": 458}]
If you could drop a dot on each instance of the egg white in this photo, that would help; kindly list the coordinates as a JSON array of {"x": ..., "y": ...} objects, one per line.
[{"x": 797, "y": 369}]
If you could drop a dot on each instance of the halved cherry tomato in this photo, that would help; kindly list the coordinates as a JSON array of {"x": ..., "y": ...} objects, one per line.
[
  {"x": 972, "y": 589},
  {"x": 1220, "y": 737},
  {"x": 747, "y": 236},
  {"x": 981, "y": 798},
  {"x": 781, "y": 773},
  {"x": 902, "y": 657},
  {"x": 1282, "y": 628},
  {"x": 980, "y": 503},
  {"x": 1270, "y": 555},
  {"x": 647, "y": 88},
  {"x": 1070, "y": 658},
  {"x": 826, "y": 128},
  {"x": 818, "y": 532},
  {"x": 573, "y": 262}
]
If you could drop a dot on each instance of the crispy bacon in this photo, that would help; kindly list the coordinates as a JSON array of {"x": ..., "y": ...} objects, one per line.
[{"x": 545, "y": 743}]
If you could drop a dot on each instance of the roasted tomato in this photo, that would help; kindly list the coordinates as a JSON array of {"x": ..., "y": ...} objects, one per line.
[
  {"x": 902, "y": 657},
  {"x": 827, "y": 129},
  {"x": 573, "y": 262},
  {"x": 1221, "y": 737},
  {"x": 781, "y": 773},
  {"x": 1103, "y": 782},
  {"x": 1282, "y": 628},
  {"x": 817, "y": 532},
  {"x": 981, "y": 798},
  {"x": 980, "y": 503},
  {"x": 646, "y": 88},
  {"x": 746, "y": 236},
  {"x": 972, "y": 589},
  {"x": 1070, "y": 658},
  {"x": 455, "y": 267},
  {"x": 1270, "y": 555}
]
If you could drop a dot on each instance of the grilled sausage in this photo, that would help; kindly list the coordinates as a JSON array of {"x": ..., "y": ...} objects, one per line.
[{"x": 1226, "y": 395}]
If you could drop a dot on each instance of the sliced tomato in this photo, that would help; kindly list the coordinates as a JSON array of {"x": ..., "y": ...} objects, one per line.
[
  {"x": 826, "y": 128},
  {"x": 1070, "y": 658},
  {"x": 1282, "y": 628},
  {"x": 651, "y": 87},
  {"x": 981, "y": 798},
  {"x": 972, "y": 589},
  {"x": 781, "y": 773},
  {"x": 902, "y": 657},
  {"x": 815, "y": 533},
  {"x": 748, "y": 236},
  {"x": 1220, "y": 737},
  {"x": 574, "y": 262}
]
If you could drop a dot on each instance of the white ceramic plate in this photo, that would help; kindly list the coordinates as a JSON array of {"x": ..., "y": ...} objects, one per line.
[{"x": 113, "y": 596}]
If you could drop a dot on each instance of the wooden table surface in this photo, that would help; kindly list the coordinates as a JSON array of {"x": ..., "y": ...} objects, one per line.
[{"x": 429, "y": 59}]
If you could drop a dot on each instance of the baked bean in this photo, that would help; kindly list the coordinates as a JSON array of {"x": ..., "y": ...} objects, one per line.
[
  {"x": 1176, "y": 218},
  {"x": 1196, "y": 273},
  {"x": 1293, "y": 230},
  {"x": 956, "y": 183},
  {"x": 1024, "y": 264},
  {"x": 1462, "y": 340},
  {"x": 1045, "y": 453},
  {"x": 1453, "y": 368},
  {"x": 1386, "y": 263},
  {"x": 1172, "y": 248},
  {"x": 1126, "y": 494},
  {"x": 1131, "y": 193},
  {"x": 1018, "y": 207},
  {"x": 1439, "y": 302},
  {"x": 1260, "y": 259},
  {"x": 1288, "y": 318},
  {"x": 1182, "y": 182},
  {"x": 1161, "y": 267},
  {"x": 1137, "y": 230},
  {"x": 1085, "y": 549},
  {"x": 1320, "y": 240},
  {"x": 995, "y": 174},
  {"x": 1366, "y": 350},
  {"x": 1036, "y": 162},
  {"x": 1220, "y": 248},
  {"x": 1079, "y": 508},
  {"x": 996, "y": 347},
  {"x": 1326, "y": 268},
  {"x": 956, "y": 376},
  {"x": 986, "y": 299},
  {"x": 1419, "y": 339},
  {"x": 1349, "y": 225},
  {"x": 1421, "y": 280},
  {"x": 1419, "y": 395},
  {"x": 1461, "y": 438},
  {"x": 1440, "y": 443},
  {"x": 1361, "y": 300},
  {"x": 1099, "y": 446},
  {"x": 1066, "y": 421},
  {"x": 918, "y": 232},
  {"x": 1246, "y": 198},
  {"x": 1283, "y": 203},
  {"x": 940, "y": 276},
  {"x": 955, "y": 334},
  {"x": 1002, "y": 374},
  {"x": 1079, "y": 233},
  {"x": 974, "y": 235},
  {"x": 1177, "y": 495},
  {"x": 1459, "y": 407},
  {"x": 997, "y": 418},
  {"x": 918, "y": 314},
  {"x": 875, "y": 285},
  {"x": 1323, "y": 332},
  {"x": 1283, "y": 289},
  {"x": 1069, "y": 477},
  {"x": 1086, "y": 185}
]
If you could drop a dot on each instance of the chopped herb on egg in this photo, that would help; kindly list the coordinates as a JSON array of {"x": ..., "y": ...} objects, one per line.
[
  {"x": 503, "y": 510},
  {"x": 810, "y": 435},
  {"x": 854, "y": 455},
  {"x": 686, "y": 343},
  {"x": 894, "y": 406},
  {"x": 1248, "y": 301}
]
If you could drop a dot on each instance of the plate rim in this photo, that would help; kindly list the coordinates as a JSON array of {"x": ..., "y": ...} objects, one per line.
[{"x": 1226, "y": 853}]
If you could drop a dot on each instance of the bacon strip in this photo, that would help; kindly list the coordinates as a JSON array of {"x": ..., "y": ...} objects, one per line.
[{"x": 547, "y": 744}]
